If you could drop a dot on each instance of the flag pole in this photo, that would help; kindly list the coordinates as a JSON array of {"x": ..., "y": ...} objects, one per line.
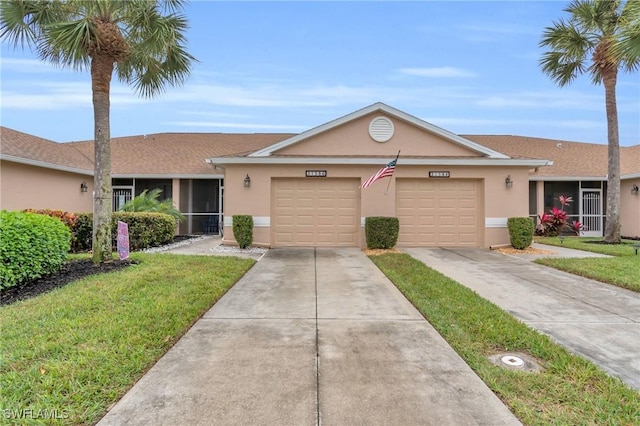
[{"x": 389, "y": 183}]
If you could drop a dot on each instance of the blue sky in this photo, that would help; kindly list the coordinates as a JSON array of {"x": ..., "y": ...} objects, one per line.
[{"x": 468, "y": 67}]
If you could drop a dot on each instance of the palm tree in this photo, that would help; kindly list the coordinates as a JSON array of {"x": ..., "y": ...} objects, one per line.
[
  {"x": 142, "y": 40},
  {"x": 598, "y": 39},
  {"x": 150, "y": 202}
]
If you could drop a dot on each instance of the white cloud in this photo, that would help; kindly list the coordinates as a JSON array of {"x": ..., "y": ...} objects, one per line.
[
  {"x": 58, "y": 95},
  {"x": 28, "y": 66},
  {"x": 438, "y": 72},
  {"x": 227, "y": 125},
  {"x": 542, "y": 100}
]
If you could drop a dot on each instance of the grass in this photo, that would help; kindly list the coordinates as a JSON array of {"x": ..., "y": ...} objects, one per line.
[
  {"x": 570, "y": 390},
  {"x": 76, "y": 350},
  {"x": 621, "y": 270}
]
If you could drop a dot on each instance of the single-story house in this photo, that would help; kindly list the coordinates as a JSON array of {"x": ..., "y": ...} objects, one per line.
[{"x": 304, "y": 189}]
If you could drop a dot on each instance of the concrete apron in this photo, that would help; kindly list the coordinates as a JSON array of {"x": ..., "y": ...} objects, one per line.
[
  {"x": 311, "y": 336},
  {"x": 597, "y": 321}
]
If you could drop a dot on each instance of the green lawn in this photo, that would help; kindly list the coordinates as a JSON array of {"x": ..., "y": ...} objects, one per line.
[
  {"x": 623, "y": 270},
  {"x": 78, "y": 349},
  {"x": 570, "y": 390}
]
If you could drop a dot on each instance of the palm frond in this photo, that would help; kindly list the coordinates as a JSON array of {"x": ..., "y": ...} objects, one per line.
[
  {"x": 158, "y": 53},
  {"x": 627, "y": 50},
  {"x": 569, "y": 48},
  {"x": 148, "y": 201}
]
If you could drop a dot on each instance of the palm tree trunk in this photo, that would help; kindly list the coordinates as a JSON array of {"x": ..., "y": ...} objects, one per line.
[
  {"x": 101, "y": 71},
  {"x": 612, "y": 229}
]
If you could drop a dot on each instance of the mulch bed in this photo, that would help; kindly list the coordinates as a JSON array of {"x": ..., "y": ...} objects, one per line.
[{"x": 70, "y": 271}]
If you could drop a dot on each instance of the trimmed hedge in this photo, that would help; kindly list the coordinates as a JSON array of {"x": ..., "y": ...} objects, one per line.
[
  {"x": 243, "y": 230},
  {"x": 145, "y": 230},
  {"x": 32, "y": 245},
  {"x": 381, "y": 232},
  {"x": 82, "y": 233},
  {"x": 520, "y": 231}
]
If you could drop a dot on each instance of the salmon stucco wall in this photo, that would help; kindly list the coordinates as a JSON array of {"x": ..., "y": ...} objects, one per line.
[
  {"x": 629, "y": 209},
  {"x": 353, "y": 139},
  {"x": 25, "y": 187},
  {"x": 497, "y": 203}
]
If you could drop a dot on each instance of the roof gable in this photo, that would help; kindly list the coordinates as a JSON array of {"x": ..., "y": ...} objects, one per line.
[{"x": 422, "y": 138}]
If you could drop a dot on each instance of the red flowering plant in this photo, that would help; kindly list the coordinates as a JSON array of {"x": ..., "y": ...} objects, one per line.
[{"x": 553, "y": 223}]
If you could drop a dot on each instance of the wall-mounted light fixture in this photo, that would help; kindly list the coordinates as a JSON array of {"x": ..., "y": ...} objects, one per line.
[
  {"x": 247, "y": 181},
  {"x": 508, "y": 182},
  {"x": 83, "y": 187},
  {"x": 634, "y": 189}
]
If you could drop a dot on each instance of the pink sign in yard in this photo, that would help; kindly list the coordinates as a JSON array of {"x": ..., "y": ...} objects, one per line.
[{"x": 123, "y": 240}]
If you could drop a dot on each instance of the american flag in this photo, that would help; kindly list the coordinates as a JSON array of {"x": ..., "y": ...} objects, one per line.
[{"x": 386, "y": 171}]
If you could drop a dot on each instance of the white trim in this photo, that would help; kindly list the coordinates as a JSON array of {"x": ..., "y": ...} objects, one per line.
[
  {"x": 261, "y": 221},
  {"x": 471, "y": 161},
  {"x": 258, "y": 221},
  {"x": 630, "y": 176},
  {"x": 495, "y": 222},
  {"x": 362, "y": 221},
  {"x": 45, "y": 165},
  {"x": 379, "y": 106}
]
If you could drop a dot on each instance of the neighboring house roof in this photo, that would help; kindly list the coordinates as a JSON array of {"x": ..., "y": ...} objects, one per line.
[
  {"x": 32, "y": 150},
  {"x": 163, "y": 154},
  {"x": 184, "y": 154},
  {"x": 384, "y": 108},
  {"x": 571, "y": 160}
]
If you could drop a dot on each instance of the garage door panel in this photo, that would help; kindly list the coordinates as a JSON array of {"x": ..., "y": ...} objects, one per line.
[
  {"x": 438, "y": 212},
  {"x": 318, "y": 211}
]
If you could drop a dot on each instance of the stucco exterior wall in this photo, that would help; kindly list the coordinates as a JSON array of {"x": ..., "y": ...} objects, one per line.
[
  {"x": 354, "y": 139},
  {"x": 629, "y": 209},
  {"x": 497, "y": 202},
  {"x": 23, "y": 186}
]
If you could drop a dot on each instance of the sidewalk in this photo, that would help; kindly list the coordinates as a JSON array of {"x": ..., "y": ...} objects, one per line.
[{"x": 307, "y": 337}]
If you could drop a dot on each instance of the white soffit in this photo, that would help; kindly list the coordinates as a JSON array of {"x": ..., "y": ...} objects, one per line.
[
  {"x": 406, "y": 161},
  {"x": 381, "y": 107},
  {"x": 45, "y": 165}
]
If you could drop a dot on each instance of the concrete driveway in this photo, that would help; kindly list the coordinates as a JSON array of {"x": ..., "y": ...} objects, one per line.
[
  {"x": 306, "y": 337},
  {"x": 597, "y": 321}
]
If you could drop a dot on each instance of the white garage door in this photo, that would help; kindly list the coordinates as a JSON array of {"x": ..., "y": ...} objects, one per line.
[
  {"x": 441, "y": 213},
  {"x": 315, "y": 212}
]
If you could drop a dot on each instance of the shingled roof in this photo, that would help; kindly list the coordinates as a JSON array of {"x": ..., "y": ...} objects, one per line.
[
  {"x": 29, "y": 149},
  {"x": 172, "y": 154},
  {"x": 176, "y": 154},
  {"x": 570, "y": 159}
]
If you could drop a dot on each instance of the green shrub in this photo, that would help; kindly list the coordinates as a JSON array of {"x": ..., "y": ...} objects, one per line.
[
  {"x": 381, "y": 232},
  {"x": 243, "y": 229},
  {"x": 146, "y": 229},
  {"x": 520, "y": 231},
  {"x": 82, "y": 233},
  {"x": 32, "y": 246},
  {"x": 150, "y": 202},
  {"x": 69, "y": 219}
]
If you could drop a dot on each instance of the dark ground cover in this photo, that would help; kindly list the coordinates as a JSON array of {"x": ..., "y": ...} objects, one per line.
[{"x": 70, "y": 271}]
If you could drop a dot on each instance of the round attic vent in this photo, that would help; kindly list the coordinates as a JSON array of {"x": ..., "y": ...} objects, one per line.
[{"x": 381, "y": 129}]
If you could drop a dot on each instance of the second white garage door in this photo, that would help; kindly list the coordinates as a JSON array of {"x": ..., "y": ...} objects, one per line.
[
  {"x": 438, "y": 212},
  {"x": 315, "y": 212}
]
